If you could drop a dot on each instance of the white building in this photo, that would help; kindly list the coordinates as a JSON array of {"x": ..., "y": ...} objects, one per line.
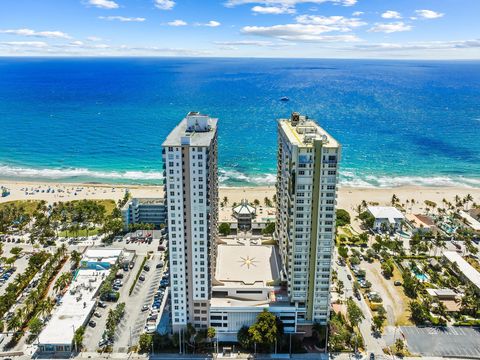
[
  {"x": 388, "y": 215},
  {"x": 78, "y": 303},
  {"x": 247, "y": 280},
  {"x": 306, "y": 199},
  {"x": 467, "y": 271},
  {"x": 191, "y": 191},
  {"x": 144, "y": 210}
]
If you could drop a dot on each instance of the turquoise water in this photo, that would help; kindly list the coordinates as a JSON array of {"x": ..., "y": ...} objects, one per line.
[
  {"x": 421, "y": 277},
  {"x": 103, "y": 120}
]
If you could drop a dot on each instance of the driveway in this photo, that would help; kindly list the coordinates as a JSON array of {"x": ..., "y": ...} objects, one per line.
[
  {"x": 393, "y": 299},
  {"x": 373, "y": 344},
  {"x": 443, "y": 341}
]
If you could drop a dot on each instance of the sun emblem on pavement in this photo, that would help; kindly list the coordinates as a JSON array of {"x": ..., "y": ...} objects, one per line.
[{"x": 248, "y": 261}]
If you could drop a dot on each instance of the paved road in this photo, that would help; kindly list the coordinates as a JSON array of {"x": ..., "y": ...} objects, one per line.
[
  {"x": 130, "y": 328},
  {"x": 372, "y": 343},
  {"x": 447, "y": 341}
]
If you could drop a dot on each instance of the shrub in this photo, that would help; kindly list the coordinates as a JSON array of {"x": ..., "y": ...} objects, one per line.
[{"x": 343, "y": 217}]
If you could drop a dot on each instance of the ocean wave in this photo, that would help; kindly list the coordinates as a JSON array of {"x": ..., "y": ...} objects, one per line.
[
  {"x": 228, "y": 177},
  {"x": 231, "y": 177},
  {"x": 53, "y": 174},
  {"x": 351, "y": 179}
]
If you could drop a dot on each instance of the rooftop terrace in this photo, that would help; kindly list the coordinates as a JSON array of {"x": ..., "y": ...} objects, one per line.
[
  {"x": 302, "y": 131},
  {"x": 194, "y": 130}
]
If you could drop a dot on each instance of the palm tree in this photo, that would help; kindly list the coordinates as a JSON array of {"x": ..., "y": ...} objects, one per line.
[
  {"x": 14, "y": 323},
  {"x": 225, "y": 200},
  {"x": 395, "y": 199},
  {"x": 45, "y": 306},
  {"x": 63, "y": 250},
  {"x": 468, "y": 198},
  {"x": 76, "y": 257}
]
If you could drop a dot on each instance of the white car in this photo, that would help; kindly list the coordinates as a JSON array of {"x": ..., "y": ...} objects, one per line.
[{"x": 150, "y": 329}]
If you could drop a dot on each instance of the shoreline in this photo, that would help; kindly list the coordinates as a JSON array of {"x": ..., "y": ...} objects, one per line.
[{"x": 348, "y": 197}]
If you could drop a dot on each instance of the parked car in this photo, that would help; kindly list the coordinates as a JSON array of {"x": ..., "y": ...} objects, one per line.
[
  {"x": 349, "y": 277},
  {"x": 397, "y": 283},
  {"x": 102, "y": 304},
  {"x": 97, "y": 314},
  {"x": 150, "y": 329},
  {"x": 132, "y": 264},
  {"x": 146, "y": 268},
  {"x": 144, "y": 308},
  {"x": 141, "y": 278},
  {"x": 92, "y": 323}
]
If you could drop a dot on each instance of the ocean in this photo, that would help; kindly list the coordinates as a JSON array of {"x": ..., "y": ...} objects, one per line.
[{"x": 104, "y": 119}]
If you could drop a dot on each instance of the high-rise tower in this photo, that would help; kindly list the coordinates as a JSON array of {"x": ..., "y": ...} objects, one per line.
[
  {"x": 191, "y": 193},
  {"x": 306, "y": 200}
]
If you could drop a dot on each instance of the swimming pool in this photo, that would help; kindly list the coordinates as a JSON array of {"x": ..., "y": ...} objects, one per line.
[{"x": 421, "y": 277}]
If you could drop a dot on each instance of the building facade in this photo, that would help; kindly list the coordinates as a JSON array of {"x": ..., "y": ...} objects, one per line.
[
  {"x": 144, "y": 211},
  {"x": 191, "y": 199},
  {"x": 307, "y": 180}
]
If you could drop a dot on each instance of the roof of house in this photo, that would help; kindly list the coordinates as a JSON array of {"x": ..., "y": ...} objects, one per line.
[
  {"x": 420, "y": 220},
  {"x": 386, "y": 212},
  {"x": 472, "y": 222},
  {"x": 468, "y": 270},
  {"x": 442, "y": 292}
]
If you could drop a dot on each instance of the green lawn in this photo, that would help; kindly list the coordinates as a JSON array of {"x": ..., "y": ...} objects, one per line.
[
  {"x": 29, "y": 205},
  {"x": 82, "y": 232},
  {"x": 108, "y": 203}
]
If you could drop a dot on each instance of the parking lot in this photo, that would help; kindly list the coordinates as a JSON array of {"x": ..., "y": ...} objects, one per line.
[
  {"x": 133, "y": 325},
  {"x": 93, "y": 335},
  {"x": 446, "y": 341}
]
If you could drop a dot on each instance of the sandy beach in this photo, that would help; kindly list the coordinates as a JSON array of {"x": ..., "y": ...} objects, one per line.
[{"x": 348, "y": 197}]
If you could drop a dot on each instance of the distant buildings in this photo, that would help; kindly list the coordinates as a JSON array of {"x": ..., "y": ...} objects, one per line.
[
  {"x": 144, "y": 211},
  {"x": 305, "y": 227},
  {"x": 191, "y": 192},
  {"x": 386, "y": 217}
]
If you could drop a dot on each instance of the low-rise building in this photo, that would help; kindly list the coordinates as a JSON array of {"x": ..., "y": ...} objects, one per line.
[
  {"x": 471, "y": 218},
  {"x": 77, "y": 305},
  {"x": 421, "y": 223},
  {"x": 246, "y": 217},
  {"x": 247, "y": 281},
  {"x": 100, "y": 259},
  {"x": 466, "y": 271},
  {"x": 144, "y": 211},
  {"x": 442, "y": 294},
  {"x": 386, "y": 217},
  {"x": 244, "y": 213}
]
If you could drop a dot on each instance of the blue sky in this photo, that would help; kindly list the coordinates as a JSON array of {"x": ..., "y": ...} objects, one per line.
[{"x": 430, "y": 29}]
